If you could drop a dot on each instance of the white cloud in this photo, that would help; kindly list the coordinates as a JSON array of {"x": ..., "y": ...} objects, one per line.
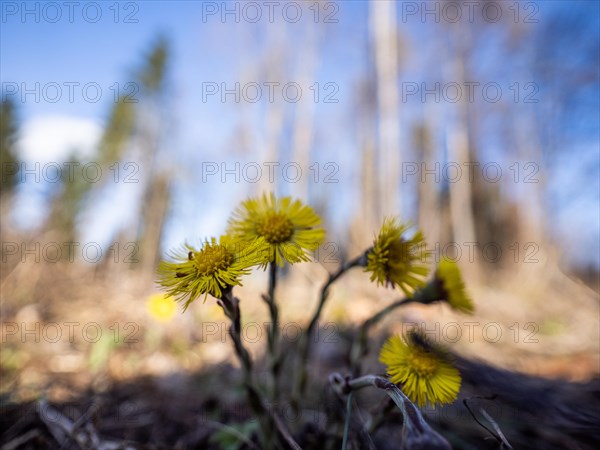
[
  {"x": 42, "y": 140},
  {"x": 46, "y": 139}
]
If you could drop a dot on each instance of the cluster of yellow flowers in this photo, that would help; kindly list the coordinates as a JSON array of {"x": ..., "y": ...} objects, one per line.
[
  {"x": 425, "y": 370},
  {"x": 261, "y": 231},
  {"x": 278, "y": 230}
]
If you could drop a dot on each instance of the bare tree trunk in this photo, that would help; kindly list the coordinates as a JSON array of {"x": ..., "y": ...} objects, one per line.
[
  {"x": 365, "y": 223},
  {"x": 461, "y": 201},
  {"x": 157, "y": 203},
  {"x": 383, "y": 24},
  {"x": 367, "y": 218},
  {"x": 304, "y": 120},
  {"x": 532, "y": 231},
  {"x": 275, "y": 113},
  {"x": 156, "y": 191},
  {"x": 429, "y": 214}
]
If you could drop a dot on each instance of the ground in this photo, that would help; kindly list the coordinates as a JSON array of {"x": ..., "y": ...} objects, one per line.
[{"x": 528, "y": 358}]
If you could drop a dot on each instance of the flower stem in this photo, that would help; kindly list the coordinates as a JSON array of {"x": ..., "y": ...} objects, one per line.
[
  {"x": 273, "y": 337},
  {"x": 415, "y": 430},
  {"x": 230, "y": 305},
  {"x": 304, "y": 345},
  {"x": 347, "y": 422},
  {"x": 360, "y": 345}
]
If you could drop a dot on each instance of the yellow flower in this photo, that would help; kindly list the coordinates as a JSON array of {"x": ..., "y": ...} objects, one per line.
[
  {"x": 161, "y": 307},
  {"x": 218, "y": 265},
  {"x": 452, "y": 286},
  {"x": 425, "y": 372},
  {"x": 396, "y": 260},
  {"x": 289, "y": 227}
]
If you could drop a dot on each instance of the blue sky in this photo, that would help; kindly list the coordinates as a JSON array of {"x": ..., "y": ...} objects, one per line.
[{"x": 106, "y": 53}]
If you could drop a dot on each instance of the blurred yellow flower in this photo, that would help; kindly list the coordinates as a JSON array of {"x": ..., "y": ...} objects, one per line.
[
  {"x": 161, "y": 307},
  {"x": 452, "y": 286},
  {"x": 424, "y": 371},
  {"x": 289, "y": 227},
  {"x": 218, "y": 265},
  {"x": 396, "y": 260}
]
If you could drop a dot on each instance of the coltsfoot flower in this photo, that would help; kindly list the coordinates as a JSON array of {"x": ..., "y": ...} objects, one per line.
[
  {"x": 452, "y": 286},
  {"x": 218, "y": 265},
  {"x": 161, "y": 307},
  {"x": 396, "y": 260},
  {"x": 423, "y": 369},
  {"x": 290, "y": 228}
]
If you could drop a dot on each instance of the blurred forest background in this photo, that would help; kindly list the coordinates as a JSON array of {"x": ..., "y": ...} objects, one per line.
[{"x": 542, "y": 212}]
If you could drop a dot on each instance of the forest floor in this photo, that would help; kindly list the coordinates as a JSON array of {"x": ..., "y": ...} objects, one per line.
[{"x": 81, "y": 349}]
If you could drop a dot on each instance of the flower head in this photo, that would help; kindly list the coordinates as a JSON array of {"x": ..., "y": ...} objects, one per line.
[
  {"x": 423, "y": 369},
  {"x": 161, "y": 307},
  {"x": 396, "y": 260},
  {"x": 218, "y": 265},
  {"x": 452, "y": 286},
  {"x": 289, "y": 227}
]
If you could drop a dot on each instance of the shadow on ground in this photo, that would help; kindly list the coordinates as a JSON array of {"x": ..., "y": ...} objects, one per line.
[{"x": 206, "y": 410}]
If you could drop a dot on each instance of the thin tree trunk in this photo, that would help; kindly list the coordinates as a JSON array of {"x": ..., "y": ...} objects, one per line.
[
  {"x": 383, "y": 24},
  {"x": 155, "y": 197},
  {"x": 275, "y": 113},
  {"x": 367, "y": 218},
  {"x": 429, "y": 215},
  {"x": 461, "y": 200},
  {"x": 533, "y": 233},
  {"x": 304, "y": 120},
  {"x": 157, "y": 202}
]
